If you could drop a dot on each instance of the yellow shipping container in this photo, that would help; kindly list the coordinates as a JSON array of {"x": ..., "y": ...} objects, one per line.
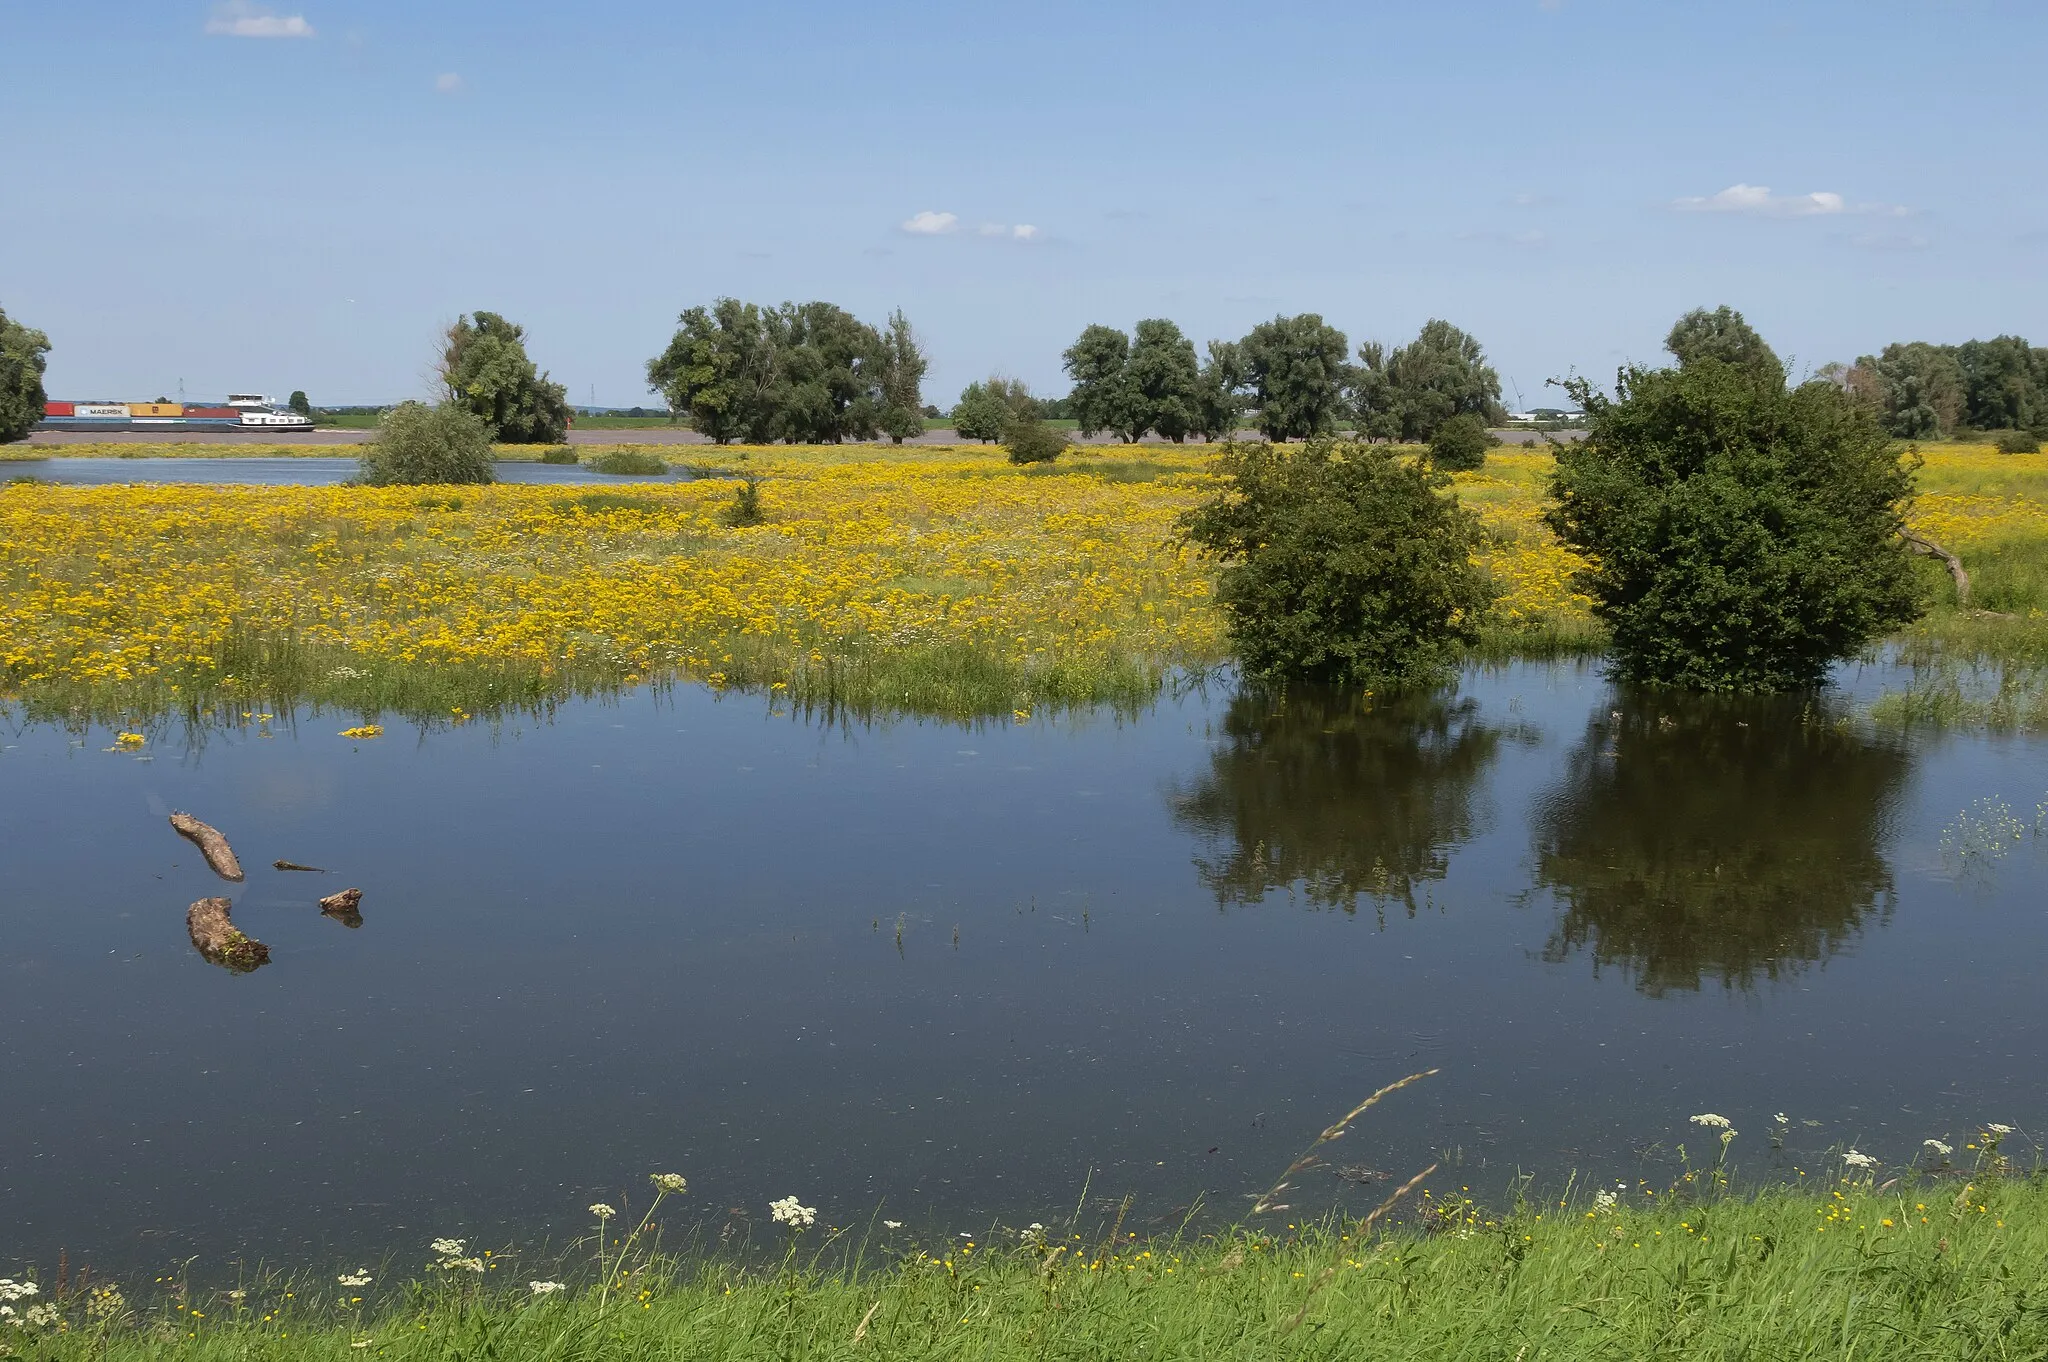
[{"x": 156, "y": 409}]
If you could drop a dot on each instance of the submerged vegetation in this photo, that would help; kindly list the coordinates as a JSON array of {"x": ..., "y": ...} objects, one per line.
[{"x": 915, "y": 579}]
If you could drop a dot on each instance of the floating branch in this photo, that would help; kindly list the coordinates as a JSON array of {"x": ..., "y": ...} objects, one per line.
[
  {"x": 294, "y": 865},
  {"x": 342, "y": 907},
  {"x": 220, "y": 941},
  {"x": 211, "y": 845}
]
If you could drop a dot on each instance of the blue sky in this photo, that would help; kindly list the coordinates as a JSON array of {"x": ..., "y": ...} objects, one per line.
[{"x": 299, "y": 194}]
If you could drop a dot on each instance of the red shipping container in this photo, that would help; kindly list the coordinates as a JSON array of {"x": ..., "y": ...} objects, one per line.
[
  {"x": 60, "y": 409},
  {"x": 214, "y": 413}
]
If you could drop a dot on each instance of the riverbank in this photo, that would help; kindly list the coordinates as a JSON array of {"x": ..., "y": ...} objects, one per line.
[
  {"x": 1930, "y": 1268},
  {"x": 910, "y": 579}
]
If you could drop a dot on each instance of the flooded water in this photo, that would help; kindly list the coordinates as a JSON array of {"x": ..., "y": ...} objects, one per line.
[
  {"x": 307, "y": 471},
  {"x": 957, "y": 974}
]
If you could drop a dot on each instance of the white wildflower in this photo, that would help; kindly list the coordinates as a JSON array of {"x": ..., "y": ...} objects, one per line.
[
  {"x": 1997, "y": 1129},
  {"x": 787, "y": 1212},
  {"x": 1782, "y": 1119},
  {"x": 546, "y": 1288},
  {"x": 449, "y": 1248},
  {"x": 41, "y": 1316},
  {"x": 670, "y": 1182},
  {"x": 892, "y": 1224},
  {"x": 1712, "y": 1121},
  {"x": 1856, "y": 1160},
  {"x": 11, "y": 1290},
  {"x": 475, "y": 1265},
  {"x": 1604, "y": 1200},
  {"x": 602, "y": 1211},
  {"x": 360, "y": 1277},
  {"x": 1938, "y": 1147},
  {"x": 6, "y": 1312}
]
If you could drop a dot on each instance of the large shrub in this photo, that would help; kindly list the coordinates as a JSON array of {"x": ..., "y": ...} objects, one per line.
[
  {"x": 416, "y": 443},
  {"x": 1742, "y": 536},
  {"x": 2018, "y": 442},
  {"x": 21, "y": 378},
  {"x": 1342, "y": 562},
  {"x": 1030, "y": 440},
  {"x": 1460, "y": 444}
]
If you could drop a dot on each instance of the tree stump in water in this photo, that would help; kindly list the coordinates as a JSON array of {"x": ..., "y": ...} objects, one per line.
[
  {"x": 211, "y": 844},
  {"x": 220, "y": 941},
  {"x": 342, "y": 907}
]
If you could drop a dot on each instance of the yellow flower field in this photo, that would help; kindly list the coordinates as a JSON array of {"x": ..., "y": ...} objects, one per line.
[
  {"x": 867, "y": 585},
  {"x": 929, "y": 580}
]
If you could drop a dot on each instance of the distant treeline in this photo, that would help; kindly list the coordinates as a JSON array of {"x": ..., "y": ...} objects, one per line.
[
  {"x": 807, "y": 373},
  {"x": 1292, "y": 377},
  {"x": 1923, "y": 391}
]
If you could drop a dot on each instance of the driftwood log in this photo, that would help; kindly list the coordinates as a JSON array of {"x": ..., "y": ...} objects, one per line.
[
  {"x": 342, "y": 907},
  {"x": 1920, "y": 543},
  {"x": 220, "y": 941},
  {"x": 211, "y": 845}
]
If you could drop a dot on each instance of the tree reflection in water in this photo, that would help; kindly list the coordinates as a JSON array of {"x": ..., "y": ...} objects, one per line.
[
  {"x": 1697, "y": 838},
  {"x": 1338, "y": 792}
]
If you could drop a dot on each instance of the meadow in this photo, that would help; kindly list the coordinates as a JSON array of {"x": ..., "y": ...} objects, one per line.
[
  {"x": 927, "y": 580},
  {"x": 1921, "y": 1267}
]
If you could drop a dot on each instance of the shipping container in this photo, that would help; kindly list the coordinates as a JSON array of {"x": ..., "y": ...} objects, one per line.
[
  {"x": 156, "y": 409},
  {"x": 59, "y": 409},
  {"x": 213, "y": 413},
  {"x": 101, "y": 411}
]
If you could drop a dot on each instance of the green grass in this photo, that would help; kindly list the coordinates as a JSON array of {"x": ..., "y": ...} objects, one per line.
[
  {"x": 629, "y": 463},
  {"x": 627, "y": 423},
  {"x": 1957, "y": 1273}
]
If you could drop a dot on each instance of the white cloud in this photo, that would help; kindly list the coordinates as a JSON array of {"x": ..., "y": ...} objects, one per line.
[
  {"x": 242, "y": 19},
  {"x": 1758, "y": 200},
  {"x": 448, "y": 83},
  {"x": 929, "y": 223}
]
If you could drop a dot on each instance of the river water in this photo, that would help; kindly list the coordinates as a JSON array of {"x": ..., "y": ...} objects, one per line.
[
  {"x": 957, "y": 974},
  {"x": 308, "y": 471}
]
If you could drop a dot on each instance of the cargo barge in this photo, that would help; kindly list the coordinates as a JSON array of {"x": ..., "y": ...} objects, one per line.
[{"x": 242, "y": 411}]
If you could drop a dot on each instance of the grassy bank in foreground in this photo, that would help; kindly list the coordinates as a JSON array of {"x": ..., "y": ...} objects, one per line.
[{"x": 1948, "y": 1269}]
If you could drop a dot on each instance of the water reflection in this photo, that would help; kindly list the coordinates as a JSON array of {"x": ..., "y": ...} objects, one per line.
[
  {"x": 1693, "y": 839},
  {"x": 1338, "y": 792}
]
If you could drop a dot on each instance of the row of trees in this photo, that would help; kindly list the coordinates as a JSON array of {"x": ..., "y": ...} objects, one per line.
[
  {"x": 1294, "y": 377},
  {"x": 1739, "y": 534},
  {"x": 809, "y": 373},
  {"x": 1922, "y": 391}
]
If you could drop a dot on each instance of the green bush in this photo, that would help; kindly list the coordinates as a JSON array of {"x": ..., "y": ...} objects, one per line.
[
  {"x": 746, "y": 505},
  {"x": 558, "y": 454},
  {"x": 1343, "y": 562},
  {"x": 631, "y": 463},
  {"x": 2018, "y": 442},
  {"x": 1460, "y": 444},
  {"x": 1031, "y": 440},
  {"x": 416, "y": 444},
  {"x": 1742, "y": 535}
]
